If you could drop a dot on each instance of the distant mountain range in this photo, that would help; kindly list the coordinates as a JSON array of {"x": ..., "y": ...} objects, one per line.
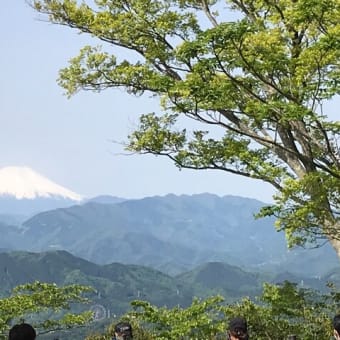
[
  {"x": 116, "y": 284},
  {"x": 165, "y": 250},
  {"x": 173, "y": 234}
]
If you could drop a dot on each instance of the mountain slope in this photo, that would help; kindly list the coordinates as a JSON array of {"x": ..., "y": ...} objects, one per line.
[
  {"x": 115, "y": 284},
  {"x": 25, "y": 192},
  {"x": 23, "y": 182},
  {"x": 188, "y": 230},
  {"x": 173, "y": 234},
  {"x": 221, "y": 278}
]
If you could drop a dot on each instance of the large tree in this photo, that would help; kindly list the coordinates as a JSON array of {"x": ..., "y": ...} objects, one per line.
[{"x": 258, "y": 70}]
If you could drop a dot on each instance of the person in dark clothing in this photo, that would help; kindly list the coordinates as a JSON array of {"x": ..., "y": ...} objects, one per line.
[
  {"x": 238, "y": 329},
  {"x": 22, "y": 331},
  {"x": 336, "y": 327},
  {"x": 123, "y": 331}
]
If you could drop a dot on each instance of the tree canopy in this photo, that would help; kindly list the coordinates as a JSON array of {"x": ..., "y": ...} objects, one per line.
[
  {"x": 280, "y": 311},
  {"x": 45, "y": 305},
  {"x": 260, "y": 71}
]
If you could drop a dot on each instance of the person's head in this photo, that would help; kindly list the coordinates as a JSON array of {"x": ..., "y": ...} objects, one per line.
[
  {"x": 238, "y": 329},
  {"x": 336, "y": 326},
  {"x": 123, "y": 331},
  {"x": 22, "y": 331}
]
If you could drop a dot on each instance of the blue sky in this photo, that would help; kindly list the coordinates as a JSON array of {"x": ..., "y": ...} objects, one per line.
[{"x": 69, "y": 140}]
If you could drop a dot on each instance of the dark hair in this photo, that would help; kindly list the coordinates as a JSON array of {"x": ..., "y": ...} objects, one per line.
[
  {"x": 22, "y": 331},
  {"x": 336, "y": 323},
  {"x": 124, "y": 329}
]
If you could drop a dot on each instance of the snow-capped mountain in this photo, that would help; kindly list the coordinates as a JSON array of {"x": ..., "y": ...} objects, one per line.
[
  {"x": 23, "y": 182},
  {"x": 24, "y": 191}
]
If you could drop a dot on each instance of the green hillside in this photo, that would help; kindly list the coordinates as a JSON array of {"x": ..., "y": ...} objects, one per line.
[
  {"x": 172, "y": 234},
  {"x": 220, "y": 278},
  {"x": 116, "y": 284}
]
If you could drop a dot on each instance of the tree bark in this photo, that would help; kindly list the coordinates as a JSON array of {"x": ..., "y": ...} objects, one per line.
[{"x": 335, "y": 242}]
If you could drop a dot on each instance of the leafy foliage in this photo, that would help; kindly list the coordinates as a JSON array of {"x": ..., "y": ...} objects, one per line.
[
  {"x": 280, "y": 311},
  {"x": 285, "y": 309},
  {"x": 34, "y": 301},
  {"x": 196, "y": 322},
  {"x": 261, "y": 78}
]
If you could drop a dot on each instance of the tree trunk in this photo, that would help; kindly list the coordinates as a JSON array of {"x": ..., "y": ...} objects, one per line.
[{"x": 335, "y": 242}]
